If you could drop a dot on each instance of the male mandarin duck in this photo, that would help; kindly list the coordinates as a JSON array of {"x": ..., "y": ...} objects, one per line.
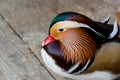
[{"x": 80, "y": 48}]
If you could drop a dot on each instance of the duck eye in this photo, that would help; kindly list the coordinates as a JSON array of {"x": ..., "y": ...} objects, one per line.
[{"x": 61, "y": 30}]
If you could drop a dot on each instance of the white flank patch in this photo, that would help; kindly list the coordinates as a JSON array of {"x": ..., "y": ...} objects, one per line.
[
  {"x": 115, "y": 30},
  {"x": 97, "y": 75},
  {"x": 74, "y": 24}
]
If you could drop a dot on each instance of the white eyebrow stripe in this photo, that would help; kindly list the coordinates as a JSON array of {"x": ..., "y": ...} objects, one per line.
[
  {"x": 69, "y": 24},
  {"x": 74, "y": 24}
]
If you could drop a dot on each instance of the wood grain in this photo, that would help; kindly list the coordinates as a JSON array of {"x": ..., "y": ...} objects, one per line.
[{"x": 16, "y": 61}]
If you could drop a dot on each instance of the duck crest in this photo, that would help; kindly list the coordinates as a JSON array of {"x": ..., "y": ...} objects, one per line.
[
  {"x": 71, "y": 16},
  {"x": 103, "y": 29}
]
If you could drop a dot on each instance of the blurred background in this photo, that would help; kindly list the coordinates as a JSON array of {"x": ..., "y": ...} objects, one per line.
[{"x": 28, "y": 20}]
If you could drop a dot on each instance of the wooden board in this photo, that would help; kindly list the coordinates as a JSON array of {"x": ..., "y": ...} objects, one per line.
[
  {"x": 16, "y": 60},
  {"x": 30, "y": 20}
]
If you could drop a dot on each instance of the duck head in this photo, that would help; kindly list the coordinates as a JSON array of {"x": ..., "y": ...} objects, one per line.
[{"x": 73, "y": 40}]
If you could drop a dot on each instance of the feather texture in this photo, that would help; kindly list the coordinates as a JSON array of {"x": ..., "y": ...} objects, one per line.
[
  {"x": 78, "y": 45},
  {"x": 80, "y": 48}
]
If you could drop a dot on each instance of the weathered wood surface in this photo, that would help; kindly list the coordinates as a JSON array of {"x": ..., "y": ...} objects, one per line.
[
  {"x": 16, "y": 60},
  {"x": 23, "y": 26}
]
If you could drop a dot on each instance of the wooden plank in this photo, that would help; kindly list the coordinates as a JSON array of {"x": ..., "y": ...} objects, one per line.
[
  {"x": 16, "y": 61},
  {"x": 30, "y": 19}
]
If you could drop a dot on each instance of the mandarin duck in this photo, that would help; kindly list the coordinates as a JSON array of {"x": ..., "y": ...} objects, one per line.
[{"x": 80, "y": 48}]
